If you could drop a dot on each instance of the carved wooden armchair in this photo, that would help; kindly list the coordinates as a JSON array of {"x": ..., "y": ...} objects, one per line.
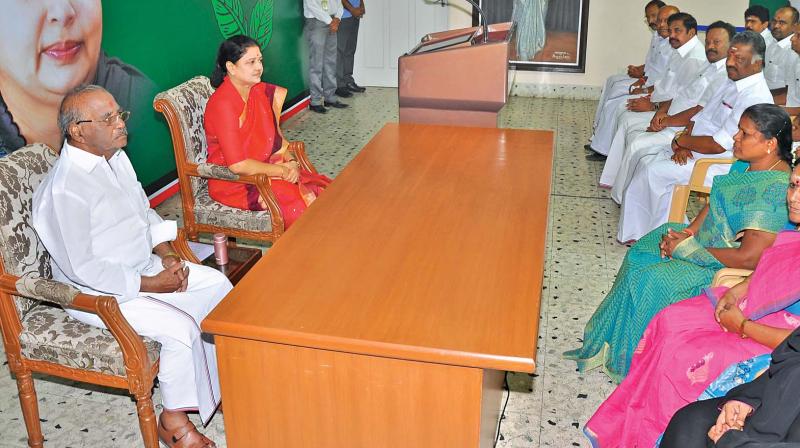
[
  {"x": 38, "y": 335},
  {"x": 184, "y": 106},
  {"x": 680, "y": 201}
]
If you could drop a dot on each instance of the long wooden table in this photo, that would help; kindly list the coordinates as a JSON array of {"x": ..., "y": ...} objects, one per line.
[{"x": 386, "y": 315}]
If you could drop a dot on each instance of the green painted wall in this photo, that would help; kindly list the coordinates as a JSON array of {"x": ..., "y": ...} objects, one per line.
[
  {"x": 174, "y": 40},
  {"x": 772, "y": 5}
]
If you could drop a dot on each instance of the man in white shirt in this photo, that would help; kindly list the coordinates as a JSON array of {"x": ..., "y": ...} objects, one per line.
[
  {"x": 648, "y": 131},
  {"x": 607, "y": 122},
  {"x": 654, "y": 65},
  {"x": 322, "y": 18},
  {"x": 756, "y": 18},
  {"x": 645, "y": 204},
  {"x": 778, "y": 56},
  {"x": 95, "y": 221},
  {"x": 792, "y": 100}
]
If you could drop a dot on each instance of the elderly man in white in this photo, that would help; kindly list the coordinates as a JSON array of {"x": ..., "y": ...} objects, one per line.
[
  {"x": 654, "y": 67},
  {"x": 94, "y": 218},
  {"x": 645, "y": 204},
  {"x": 643, "y": 133},
  {"x": 607, "y": 121},
  {"x": 687, "y": 64},
  {"x": 778, "y": 57}
]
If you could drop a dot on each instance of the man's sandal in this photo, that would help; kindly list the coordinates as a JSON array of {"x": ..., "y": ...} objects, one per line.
[{"x": 186, "y": 436}]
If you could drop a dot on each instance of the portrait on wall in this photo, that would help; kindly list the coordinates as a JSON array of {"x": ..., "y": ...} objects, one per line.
[{"x": 551, "y": 34}]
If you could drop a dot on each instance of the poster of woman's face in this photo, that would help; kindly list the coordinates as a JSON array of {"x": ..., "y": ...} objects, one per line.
[{"x": 49, "y": 47}]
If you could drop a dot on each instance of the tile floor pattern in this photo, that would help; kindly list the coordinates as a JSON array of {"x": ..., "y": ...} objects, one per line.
[{"x": 545, "y": 409}]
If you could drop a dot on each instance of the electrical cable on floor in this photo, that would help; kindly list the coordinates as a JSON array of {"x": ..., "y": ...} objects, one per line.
[{"x": 503, "y": 412}]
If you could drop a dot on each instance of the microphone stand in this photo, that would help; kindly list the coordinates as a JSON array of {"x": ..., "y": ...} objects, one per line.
[{"x": 483, "y": 19}]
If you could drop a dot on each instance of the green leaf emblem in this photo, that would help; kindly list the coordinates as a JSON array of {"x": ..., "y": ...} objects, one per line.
[{"x": 231, "y": 19}]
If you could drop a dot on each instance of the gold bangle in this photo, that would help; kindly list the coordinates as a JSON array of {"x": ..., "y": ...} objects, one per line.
[
  {"x": 171, "y": 254},
  {"x": 741, "y": 328}
]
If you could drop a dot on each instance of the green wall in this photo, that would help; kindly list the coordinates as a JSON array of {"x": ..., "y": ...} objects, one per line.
[
  {"x": 772, "y": 5},
  {"x": 174, "y": 40}
]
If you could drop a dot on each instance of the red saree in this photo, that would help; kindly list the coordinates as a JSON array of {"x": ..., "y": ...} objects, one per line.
[{"x": 257, "y": 138}]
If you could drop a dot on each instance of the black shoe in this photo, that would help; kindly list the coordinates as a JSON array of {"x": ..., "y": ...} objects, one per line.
[
  {"x": 320, "y": 109},
  {"x": 353, "y": 87},
  {"x": 588, "y": 147},
  {"x": 337, "y": 105},
  {"x": 596, "y": 157},
  {"x": 344, "y": 92}
]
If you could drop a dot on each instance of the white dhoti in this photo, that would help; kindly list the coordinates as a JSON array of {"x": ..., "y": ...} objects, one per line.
[
  {"x": 188, "y": 363},
  {"x": 646, "y": 202},
  {"x": 638, "y": 146},
  {"x": 629, "y": 125},
  {"x": 607, "y": 125},
  {"x": 616, "y": 86}
]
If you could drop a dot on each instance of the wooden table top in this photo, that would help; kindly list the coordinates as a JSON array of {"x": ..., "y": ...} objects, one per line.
[{"x": 428, "y": 246}]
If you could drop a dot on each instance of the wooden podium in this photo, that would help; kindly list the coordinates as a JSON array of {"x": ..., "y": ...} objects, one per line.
[{"x": 454, "y": 78}]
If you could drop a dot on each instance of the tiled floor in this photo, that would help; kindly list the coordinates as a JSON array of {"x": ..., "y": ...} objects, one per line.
[{"x": 546, "y": 409}]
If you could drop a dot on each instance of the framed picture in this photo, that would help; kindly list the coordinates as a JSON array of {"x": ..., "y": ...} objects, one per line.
[{"x": 551, "y": 34}]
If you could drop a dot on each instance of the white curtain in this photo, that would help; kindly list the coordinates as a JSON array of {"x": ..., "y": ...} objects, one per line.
[{"x": 529, "y": 16}]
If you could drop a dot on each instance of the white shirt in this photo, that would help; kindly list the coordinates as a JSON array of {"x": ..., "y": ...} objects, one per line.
[
  {"x": 793, "y": 80},
  {"x": 686, "y": 63},
  {"x": 652, "y": 52},
  {"x": 658, "y": 68},
  {"x": 720, "y": 117},
  {"x": 775, "y": 63},
  {"x": 322, "y": 10},
  {"x": 769, "y": 39},
  {"x": 95, "y": 220},
  {"x": 702, "y": 86}
]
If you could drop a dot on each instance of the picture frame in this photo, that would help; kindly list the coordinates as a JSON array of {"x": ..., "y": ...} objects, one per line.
[{"x": 566, "y": 25}]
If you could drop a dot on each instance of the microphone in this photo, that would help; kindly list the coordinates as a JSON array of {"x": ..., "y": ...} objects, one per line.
[{"x": 483, "y": 19}]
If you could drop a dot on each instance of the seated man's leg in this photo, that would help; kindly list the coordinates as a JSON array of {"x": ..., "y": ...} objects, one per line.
[
  {"x": 607, "y": 125},
  {"x": 646, "y": 202},
  {"x": 640, "y": 146},
  {"x": 616, "y": 86},
  {"x": 628, "y": 122},
  {"x": 689, "y": 426}
]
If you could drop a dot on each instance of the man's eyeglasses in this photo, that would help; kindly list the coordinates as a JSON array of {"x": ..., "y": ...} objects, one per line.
[{"x": 111, "y": 119}]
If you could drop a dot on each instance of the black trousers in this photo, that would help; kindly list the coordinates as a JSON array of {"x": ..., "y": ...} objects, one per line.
[{"x": 347, "y": 37}]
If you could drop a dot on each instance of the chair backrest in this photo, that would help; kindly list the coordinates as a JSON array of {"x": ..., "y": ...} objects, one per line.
[
  {"x": 187, "y": 102},
  {"x": 21, "y": 172}
]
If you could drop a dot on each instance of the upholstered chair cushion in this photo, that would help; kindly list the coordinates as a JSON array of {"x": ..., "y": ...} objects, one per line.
[
  {"x": 189, "y": 100},
  {"x": 211, "y": 212},
  {"x": 50, "y": 334},
  {"x": 22, "y": 252}
]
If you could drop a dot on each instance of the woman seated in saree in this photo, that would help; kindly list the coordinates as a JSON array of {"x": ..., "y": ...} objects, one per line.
[
  {"x": 688, "y": 344},
  {"x": 243, "y": 134},
  {"x": 673, "y": 262}
]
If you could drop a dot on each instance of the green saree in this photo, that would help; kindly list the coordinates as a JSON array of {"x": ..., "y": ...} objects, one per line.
[{"x": 646, "y": 283}]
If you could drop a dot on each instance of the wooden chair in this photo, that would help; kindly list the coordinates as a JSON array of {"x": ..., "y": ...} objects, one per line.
[
  {"x": 183, "y": 106},
  {"x": 680, "y": 201},
  {"x": 38, "y": 335}
]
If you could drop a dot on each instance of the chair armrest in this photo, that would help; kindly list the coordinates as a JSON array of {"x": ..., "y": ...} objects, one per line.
[
  {"x": 46, "y": 290},
  {"x": 107, "y": 308},
  {"x": 261, "y": 182},
  {"x": 700, "y": 170},
  {"x": 181, "y": 246},
  {"x": 730, "y": 276},
  {"x": 680, "y": 199},
  {"x": 299, "y": 150}
]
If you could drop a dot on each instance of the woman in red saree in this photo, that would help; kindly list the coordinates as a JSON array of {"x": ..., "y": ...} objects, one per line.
[{"x": 243, "y": 134}]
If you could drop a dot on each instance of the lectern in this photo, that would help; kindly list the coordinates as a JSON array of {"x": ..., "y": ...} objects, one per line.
[{"x": 455, "y": 78}]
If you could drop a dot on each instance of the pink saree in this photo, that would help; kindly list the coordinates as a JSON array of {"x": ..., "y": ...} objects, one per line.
[{"x": 684, "y": 349}]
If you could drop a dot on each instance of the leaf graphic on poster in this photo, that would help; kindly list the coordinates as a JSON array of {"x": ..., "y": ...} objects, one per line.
[
  {"x": 230, "y": 17},
  {"x": 261, "y": 22}
]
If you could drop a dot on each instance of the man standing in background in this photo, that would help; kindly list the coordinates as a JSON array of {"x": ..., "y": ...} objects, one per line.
[
  {"x": 322, "y": 23},
  {"x": 347, "y": 40}
]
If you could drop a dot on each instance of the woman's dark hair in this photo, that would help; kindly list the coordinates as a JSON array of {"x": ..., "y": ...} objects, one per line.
[
  {"x": 230, "y": 50},
  {"x": 773, "y": 122}
]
